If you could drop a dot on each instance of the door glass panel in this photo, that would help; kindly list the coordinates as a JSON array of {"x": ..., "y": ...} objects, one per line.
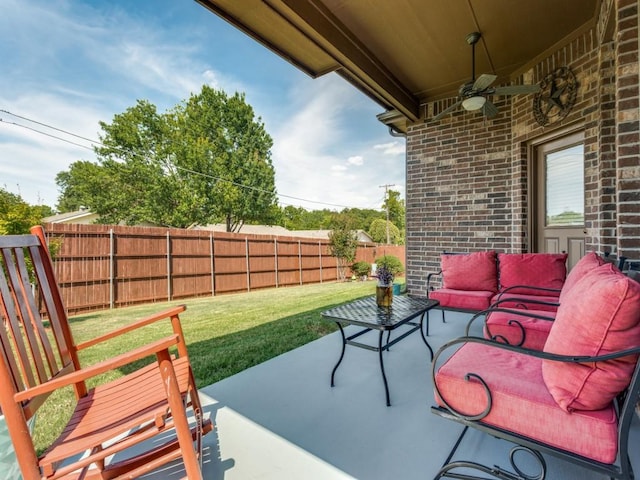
[{"x": 565, "y": 186}]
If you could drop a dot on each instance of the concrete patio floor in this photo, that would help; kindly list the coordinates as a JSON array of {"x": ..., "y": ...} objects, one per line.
[{"x": 282, "y": 420}]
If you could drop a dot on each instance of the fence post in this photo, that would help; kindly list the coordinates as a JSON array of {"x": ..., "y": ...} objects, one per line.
[
  {"x": 168, "y": 266},
  {"x": 300, "y": 260},
  {"x": 320, "y": 256},
  {"x": 213, "y": 265},
  {"x": 275, "y": 247},
  {"x": 246, "y": 242},
  {"x": 111, "y": 269}
]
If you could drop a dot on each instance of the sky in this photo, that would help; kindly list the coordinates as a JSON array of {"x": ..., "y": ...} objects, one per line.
[{"x": 69, "y": 64}]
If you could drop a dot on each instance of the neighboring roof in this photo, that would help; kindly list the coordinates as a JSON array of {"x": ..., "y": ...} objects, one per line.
[
  {"x": 324, "y": 234},
  {"x": 253, "y": 229},
  {"x": 280, "y": 231},
  {"x": 79, "y": 216},
  {"x": 85, "y": 217},
  {"x": 405, "y": 53}
]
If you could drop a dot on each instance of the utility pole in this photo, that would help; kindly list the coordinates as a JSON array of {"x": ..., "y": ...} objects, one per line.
[{"x": 386, "y": 200}]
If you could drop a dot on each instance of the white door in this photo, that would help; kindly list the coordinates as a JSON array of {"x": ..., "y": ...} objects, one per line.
[{"x": 560, "y": 197}]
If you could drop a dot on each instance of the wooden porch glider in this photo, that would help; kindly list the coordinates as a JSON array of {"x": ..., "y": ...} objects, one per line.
[{"x": 140, "y": 419}]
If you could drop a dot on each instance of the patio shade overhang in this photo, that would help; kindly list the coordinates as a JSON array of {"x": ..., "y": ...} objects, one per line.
[{"x": 405, "y": 53}]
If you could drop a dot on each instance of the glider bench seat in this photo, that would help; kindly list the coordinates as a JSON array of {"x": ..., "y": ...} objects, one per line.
[{"x": 473, "y": 282}]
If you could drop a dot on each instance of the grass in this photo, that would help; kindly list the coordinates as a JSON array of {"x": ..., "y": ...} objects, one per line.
[{"x": 224, "y": 335}]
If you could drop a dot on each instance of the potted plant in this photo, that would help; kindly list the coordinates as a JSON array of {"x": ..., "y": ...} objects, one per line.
[{"x": 384, "y": 289}]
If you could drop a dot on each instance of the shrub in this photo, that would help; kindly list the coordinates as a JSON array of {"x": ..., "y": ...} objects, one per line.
[
  {"x": 393, "y": 264},
  {"x": 361, "y": 268}
]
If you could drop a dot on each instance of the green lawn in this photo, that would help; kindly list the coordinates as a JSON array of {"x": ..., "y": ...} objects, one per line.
[{"x": 225, "y": 334}]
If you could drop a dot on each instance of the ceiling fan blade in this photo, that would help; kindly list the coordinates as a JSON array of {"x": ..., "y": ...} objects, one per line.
[
  {"x": 516, "y": 89},
  {"x": 483, "y": 81},
  {"x": 446, "y": 111},
  {"x": 489, "y": 110}
]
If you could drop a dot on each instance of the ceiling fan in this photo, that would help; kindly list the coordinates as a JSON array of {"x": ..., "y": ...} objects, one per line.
[{"x": 473, "y": 95}]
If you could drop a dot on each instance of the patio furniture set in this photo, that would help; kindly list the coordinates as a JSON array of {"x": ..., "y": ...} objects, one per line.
[{"x": 557, "y": 370}]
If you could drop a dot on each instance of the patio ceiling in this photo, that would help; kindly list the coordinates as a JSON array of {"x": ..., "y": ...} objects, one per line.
[{"x": 404, "y": 53}]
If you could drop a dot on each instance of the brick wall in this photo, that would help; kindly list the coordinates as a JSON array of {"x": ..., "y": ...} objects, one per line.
[{"x": 468, "y": 178}]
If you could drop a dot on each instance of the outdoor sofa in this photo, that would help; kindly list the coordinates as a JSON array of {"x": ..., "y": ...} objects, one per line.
[{"x": 474, "y": 281}]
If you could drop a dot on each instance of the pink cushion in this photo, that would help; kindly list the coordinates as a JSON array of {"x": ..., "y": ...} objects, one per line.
[
  {"x": 471, "y": 271},
  {"x": 599, "y": 315},
  {"x": 587, "y": 263},
  {"x": 521, "y": 402},
  {"x": 536, "y": 330},
  {"x": 547, "y": 270},
  {"x": 519, "y": 300},
  {"x": 463, "y": 299}
]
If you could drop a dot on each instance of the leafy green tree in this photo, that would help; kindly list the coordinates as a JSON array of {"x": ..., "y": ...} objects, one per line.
[
  {"x": 378, "y": 232},
  {"x": 207, "y": 160},
  {"x": 343, "y": 243},
  {"x": 17, "y": 216},
  {"x": 396, "y": 208}
]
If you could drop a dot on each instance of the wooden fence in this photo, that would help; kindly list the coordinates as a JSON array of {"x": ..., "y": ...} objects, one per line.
[{"x": 103, "y": 266}]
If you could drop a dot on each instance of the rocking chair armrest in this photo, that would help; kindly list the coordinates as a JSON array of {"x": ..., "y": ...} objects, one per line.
[
  {"x": 143, "y": 322},
  {"x": 98, "y": 368}
]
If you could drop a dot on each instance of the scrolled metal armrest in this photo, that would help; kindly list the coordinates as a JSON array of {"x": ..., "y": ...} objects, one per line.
[
  {"x": 530, "y": 287},
  {"x": 429, "y": 277},
  {"x": 513, "y": 322}
]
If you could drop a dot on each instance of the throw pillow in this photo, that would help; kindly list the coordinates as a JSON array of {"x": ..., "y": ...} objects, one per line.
[
  {"x": 599, "y": 315},
  {"x": 546, "y": 270},
  {"x": 471, "y": 271}
]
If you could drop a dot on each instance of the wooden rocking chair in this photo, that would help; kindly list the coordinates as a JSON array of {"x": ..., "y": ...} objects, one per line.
[{"x": 146, "y": 409}]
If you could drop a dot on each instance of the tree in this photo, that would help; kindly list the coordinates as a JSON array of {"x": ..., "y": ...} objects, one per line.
[
  {"x": 378, "y": 232},
  {"x": 205, "y": 161},
  {"x": 396, "y": 208},
  {"x": 17, "y": 216},
  {"x": 343, "y": 243}
]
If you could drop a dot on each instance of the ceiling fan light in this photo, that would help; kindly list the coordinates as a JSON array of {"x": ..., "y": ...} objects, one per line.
[{"x": 473, "y": 103}]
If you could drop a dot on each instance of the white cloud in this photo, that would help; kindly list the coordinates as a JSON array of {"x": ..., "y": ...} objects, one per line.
[
  {"x": 355, "y": 160},
  {"x": 391, "y": 148}
]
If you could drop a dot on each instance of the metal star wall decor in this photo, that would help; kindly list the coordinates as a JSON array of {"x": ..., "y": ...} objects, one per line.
[{"x": 558, "y": 92}]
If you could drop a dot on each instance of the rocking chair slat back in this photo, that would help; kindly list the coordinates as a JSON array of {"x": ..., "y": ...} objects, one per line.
[{"x": 24, "y": 285}]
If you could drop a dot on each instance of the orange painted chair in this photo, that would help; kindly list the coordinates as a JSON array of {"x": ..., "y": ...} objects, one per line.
[{"x": 120, "y": 429}]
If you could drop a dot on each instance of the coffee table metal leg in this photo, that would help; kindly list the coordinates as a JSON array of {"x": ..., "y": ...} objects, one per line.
[
  {"x": 424, "y": 339},
  {"x": 384, "y": 377},
  {"x": 344, "y": 344}
]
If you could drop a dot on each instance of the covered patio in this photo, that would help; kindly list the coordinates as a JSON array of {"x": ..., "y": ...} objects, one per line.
[
  {"x": 282, "y": 420},
  {"x": 476, "y": 180}
]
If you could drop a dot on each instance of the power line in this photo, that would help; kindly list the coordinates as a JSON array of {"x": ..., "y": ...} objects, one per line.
[{"x": 95, "y": 142}]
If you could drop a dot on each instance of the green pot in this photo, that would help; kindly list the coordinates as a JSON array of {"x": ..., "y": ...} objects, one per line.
[{"x": 9, "y": 469}]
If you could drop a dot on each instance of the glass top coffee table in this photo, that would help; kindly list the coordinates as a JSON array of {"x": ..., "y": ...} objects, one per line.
[{"x": 365, "y": 313}]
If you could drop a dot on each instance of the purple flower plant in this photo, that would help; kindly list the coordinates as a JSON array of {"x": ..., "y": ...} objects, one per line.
[{"x": 384, "y": 275}]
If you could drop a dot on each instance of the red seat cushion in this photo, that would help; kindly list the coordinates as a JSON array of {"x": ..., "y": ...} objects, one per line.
[
  {"x": 599, "y": 315},
  {"x": 587, "y": 263},
  {"x": 463, "y": 299},
  {"x": 536, "y": 329},
  {"x": 547, "y": 270},
  {"x": 522, "y": 404},
  {"x": 471, "y": 271}
]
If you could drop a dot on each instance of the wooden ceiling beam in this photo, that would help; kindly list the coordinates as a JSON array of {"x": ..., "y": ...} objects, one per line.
[{"x": 357, "y": 62}]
